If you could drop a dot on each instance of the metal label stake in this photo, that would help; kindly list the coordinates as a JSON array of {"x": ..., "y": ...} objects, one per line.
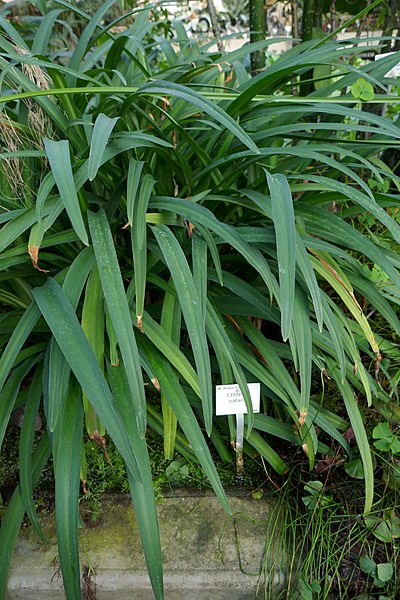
[
  {"x": 229, "y": 401},
  {"x": 239, "y": 445}
]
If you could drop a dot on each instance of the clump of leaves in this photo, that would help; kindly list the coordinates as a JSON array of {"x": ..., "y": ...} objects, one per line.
[{"x": 183, "y": 225}]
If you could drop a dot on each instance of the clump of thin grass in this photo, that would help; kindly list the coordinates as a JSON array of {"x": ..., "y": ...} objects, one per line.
[
  {"x": 11, "y": 141},
  {"x": 321, "y": 547}
]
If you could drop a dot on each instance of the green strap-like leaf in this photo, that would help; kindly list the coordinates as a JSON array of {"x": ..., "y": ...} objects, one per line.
[
  {"x": 10, "y": 393},
  {"x": 67, "y": 448},
  {"x": 22, "y": 221},
  {"x": 84, "y": 39},
  {"x": 275, "y": 365},
  {"x": 192, "y": 313},
  {"x": 12, "y": 520},
  {"x": 199, "y": 265},
  {"x": 59, "y": 373},
  {"x": 339, "y": 232},
  {"x": 44, "y": 32},
  {"x": 142, "y": 493},
  {"x": 357, "y": 425},
  {"x": 92, "y": 322},
  {"x": 58, "y": 368},
  {"x": 25, "y": 450},
  {"x": 212, "y": 246},
  {"x": 307, "y": 271},
  {"x": 171, "y": 317},
  {"x": 285, "y": 233},
  {"x": 245, "y": 291},
  {"x": 186, "y": 417},
  {"x": 374, "y": 296},
  {"x": 220, "y": 339},
  {"x": 133, "y": 183},
  {"x": 117, "y": 304},
  {"x": 165, "y": 88},
  {"x": 347, "y": 295},
  {"x": 199, "y": 214},
  {"x": 112, "y": 339},
  {"x": 101, "y": 133},
  {"x": 60, "y": 163},
  {"x": 171, "y": 351},
  {"x": 261, "y": 373},
  {"x": 275, "y": 427},
  {"x": 18, "y": 337},
  {"x": 139, "y": 246},
  {"x": 363, "y": 200},
  {"x": 267, "y": 452},
  {"x": 303, "y": 343},
  {"x": 69, "y": 335}
]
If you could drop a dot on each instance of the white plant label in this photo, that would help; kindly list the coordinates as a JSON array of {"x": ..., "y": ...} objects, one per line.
[
  {"x": 394, "y": 71},
  {"x": 229, "y": 399}
]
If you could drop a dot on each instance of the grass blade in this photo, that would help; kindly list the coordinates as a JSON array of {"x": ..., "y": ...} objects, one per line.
[
  {"x": 361, "y": 437},
  {"x": 101, "y": 133},
  {"x": 199, "y": 265},
  {"x": 69, "y": 335},
  {"x": 171, "y": 351},
  {"x": 133, "y": 182},
  {"x": 219, "y": 339},
  {"x": 191, "y": 310},
  {"x": 67, "y": 449},
  {"x": 285, "y": 233},
  {"x": 25, "y": 450},
  {"x": 199, "y": 214},
  {"x": 167, "y": 88},
  {"x": 93, "y": 325},
  {"x": 303, "y": 344},
  {"x": 60, "y": 163},
  {"x": 117, "y": 304},
  {"x": 142, "y": 493},
  {"x": 186, "y": 417},
  {"x": 171, "y": 317},
  {"x": 139, "y": 246},
  {"x": 12, "y": 520}
]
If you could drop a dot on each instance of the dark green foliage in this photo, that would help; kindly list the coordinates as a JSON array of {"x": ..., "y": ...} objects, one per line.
[{"x": 166, "y": 183}]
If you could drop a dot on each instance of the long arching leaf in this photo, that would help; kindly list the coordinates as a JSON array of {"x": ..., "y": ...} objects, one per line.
[
  {"x": 73, "y": 343},
  {"x": 117, "y": 304},
  {"x": 192, "y": 313}
]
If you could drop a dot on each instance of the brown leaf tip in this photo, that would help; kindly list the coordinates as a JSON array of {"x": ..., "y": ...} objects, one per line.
[
  {"x": 33, "y": 252},
  {"x": 302, "y": 418},
  {"x": 154, "y": 381}
]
